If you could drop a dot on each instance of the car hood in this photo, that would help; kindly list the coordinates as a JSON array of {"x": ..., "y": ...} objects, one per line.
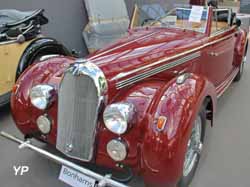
[{"x": 142, "y": 47}]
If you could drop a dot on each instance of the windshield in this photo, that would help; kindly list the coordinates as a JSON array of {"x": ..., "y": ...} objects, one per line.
[{"x": 194, "y": 18}]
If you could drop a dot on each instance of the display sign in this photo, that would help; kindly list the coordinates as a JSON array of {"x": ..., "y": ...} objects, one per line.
[
  {"x": 196, "y": 14},
  {"x": 75, "y": 178}
]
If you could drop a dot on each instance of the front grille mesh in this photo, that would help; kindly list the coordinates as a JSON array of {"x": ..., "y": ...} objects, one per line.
[{"x": 77, "y": 116}]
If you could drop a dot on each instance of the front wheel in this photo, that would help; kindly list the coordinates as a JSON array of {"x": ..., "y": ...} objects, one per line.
[{"x": 194, "y": 149}]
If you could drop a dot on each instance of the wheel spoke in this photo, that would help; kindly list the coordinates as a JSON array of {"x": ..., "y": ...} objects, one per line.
[
  {"x": 194, "y": 147},
  {"x": 198, "y": 148}
]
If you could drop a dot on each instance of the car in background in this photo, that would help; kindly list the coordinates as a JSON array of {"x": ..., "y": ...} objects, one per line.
[
  {"x": 140, "y": 105},
  {"x": 21, "y": 44}
]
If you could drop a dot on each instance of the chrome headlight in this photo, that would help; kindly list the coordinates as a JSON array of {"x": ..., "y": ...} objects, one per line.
[
  {"x": 40, "y": 96},
  {"x": 117, "y": 150},
  {"x": 118, "y": 117}
]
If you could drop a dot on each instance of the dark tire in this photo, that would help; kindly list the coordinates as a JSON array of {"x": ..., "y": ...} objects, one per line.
[
  {"x": 39, "y": 47},
  {"x": 35, "y": 58},
  {"x": 187, "y": 177},
  {"x": 241, "y": 71}
]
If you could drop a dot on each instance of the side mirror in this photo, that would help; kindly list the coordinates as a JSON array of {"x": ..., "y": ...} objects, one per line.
[{"x": 238, "y": 22}]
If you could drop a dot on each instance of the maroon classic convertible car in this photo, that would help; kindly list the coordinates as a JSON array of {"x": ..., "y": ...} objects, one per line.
[{"x": 139, "y": 106}]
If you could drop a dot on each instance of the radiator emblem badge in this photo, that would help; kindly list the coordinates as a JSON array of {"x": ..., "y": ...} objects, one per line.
[{"x": 69, "y": 148}]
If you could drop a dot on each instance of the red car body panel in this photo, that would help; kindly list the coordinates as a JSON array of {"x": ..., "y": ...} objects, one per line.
[{"x": 158, "y": 156}]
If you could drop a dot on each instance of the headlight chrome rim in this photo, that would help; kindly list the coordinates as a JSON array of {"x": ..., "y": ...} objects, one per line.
[
  {"x": 41, "y": 95},
  {"x": 117, "y": 149},
  {"x": 119, "y": 117}
]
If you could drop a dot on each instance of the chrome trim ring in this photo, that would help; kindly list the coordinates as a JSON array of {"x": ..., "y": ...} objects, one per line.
[
  {"x": 47, "y": 57},
  {"x": 194, "y": 147}
]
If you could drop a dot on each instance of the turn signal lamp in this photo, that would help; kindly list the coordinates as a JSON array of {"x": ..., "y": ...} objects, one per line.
[{"x": 161, "y": 123}]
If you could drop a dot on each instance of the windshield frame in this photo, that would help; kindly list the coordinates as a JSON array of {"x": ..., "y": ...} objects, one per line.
[{"x": 181, "y": 8}]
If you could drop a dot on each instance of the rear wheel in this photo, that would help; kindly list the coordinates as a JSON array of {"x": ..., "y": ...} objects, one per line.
[
  {"x": 240, "y": 73},
  {"x": 241, "y": 70},
  {"x": 194, "y": 149}
]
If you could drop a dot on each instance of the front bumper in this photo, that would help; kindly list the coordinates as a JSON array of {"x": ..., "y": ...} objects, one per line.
[{"x": 103, "y": 181}]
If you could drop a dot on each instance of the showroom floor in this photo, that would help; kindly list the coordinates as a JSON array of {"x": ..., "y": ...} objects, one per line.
[{"x": 225, "y": 161}]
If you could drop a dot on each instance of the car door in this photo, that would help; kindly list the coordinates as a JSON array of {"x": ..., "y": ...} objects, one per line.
[
  {"x": 4, "y": 69},
  {"x": 220, "y": 50},
  {"x": 10, "y": 54}
]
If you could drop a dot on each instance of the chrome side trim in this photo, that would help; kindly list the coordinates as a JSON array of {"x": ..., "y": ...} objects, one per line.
[
  {"x": 123, "y": 75},
  {"x": 219, "y": 40},
  {"x": 103, "y": 180},
  {"x": 157, "y": 70},
  {"x": 220, "y": 90}
]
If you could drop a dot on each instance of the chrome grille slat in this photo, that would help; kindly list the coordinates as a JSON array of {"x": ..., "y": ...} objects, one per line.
[{"x": 77, "y": 116}]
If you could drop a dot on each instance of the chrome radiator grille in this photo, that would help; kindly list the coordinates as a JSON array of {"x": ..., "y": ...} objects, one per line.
[{"x": 77, "y": 116}]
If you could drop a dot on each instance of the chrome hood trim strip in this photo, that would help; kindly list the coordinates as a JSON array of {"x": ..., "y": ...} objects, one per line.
[
  {"x": 156, "y": 70},
  {"x": 194, "y": 50}
]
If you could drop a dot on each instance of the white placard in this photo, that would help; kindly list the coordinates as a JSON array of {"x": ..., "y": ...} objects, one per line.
[
  {"x": 75, "y": 179},
  {"x": 196, "y": 14}
]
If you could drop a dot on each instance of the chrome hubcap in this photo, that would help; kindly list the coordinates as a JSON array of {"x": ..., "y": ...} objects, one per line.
[
  {"x": 245, "y": 59},
  {"x": 242, "y": 64},
  {"x": 194, "y": 147}
]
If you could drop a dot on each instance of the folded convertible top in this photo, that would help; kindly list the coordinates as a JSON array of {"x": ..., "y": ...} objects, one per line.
[{"x": 12, "y": 17}]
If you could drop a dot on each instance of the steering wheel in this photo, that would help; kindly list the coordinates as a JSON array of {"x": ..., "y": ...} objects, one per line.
[{"x": 146, "y": 21}]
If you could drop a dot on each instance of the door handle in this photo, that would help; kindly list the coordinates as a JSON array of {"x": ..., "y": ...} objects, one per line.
[{"x": 213, "y": 54}]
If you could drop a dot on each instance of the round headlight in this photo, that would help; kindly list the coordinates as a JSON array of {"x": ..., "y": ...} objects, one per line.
[
  {"x": 44, "y": 124},
  {"x": 118, "y": 116},
  {"x": 40, "y": 96},
  {"x": 117, "y": 150}
]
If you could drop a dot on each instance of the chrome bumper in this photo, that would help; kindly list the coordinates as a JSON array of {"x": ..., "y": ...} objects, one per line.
[{"x": 103, "y": 181}]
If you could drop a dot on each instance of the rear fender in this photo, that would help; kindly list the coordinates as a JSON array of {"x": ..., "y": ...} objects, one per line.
[
  {"x": 163, "y": 151},
  {"x": 240, "y": 47}
]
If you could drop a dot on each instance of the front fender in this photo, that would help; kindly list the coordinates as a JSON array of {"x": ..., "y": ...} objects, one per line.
[
  {"x": 163, "y": 152},
  {"x": 24, "y": 114},
  {"x": 142, "y": 96}
]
